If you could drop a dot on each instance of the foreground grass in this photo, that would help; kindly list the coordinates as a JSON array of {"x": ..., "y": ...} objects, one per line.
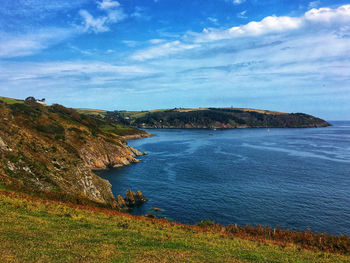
[{"x": 35, "y": 230}]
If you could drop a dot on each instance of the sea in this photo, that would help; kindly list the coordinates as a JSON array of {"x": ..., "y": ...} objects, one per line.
[{"x": 292, "y": 178}]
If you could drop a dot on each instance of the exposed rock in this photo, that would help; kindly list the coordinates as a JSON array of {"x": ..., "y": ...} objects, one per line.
[
  {"x": 129, "y": 198},
  {"x": 140, "y": 198},
  {"x": 120, "y": 203},
  {"x": 100, "y": 154},
  {"x": 138, "y": 136},
  {"x": 3, "y": 144},
  {"x": 150, "y": 216},
  {"x": 132, "y": 199}
]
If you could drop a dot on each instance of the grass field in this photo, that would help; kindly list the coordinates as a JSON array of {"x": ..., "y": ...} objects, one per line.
[
  {"x": 139, "y": 114},
  {"x": 36, "y": 230},
  {"x": 92, "y": 111},
  {"x": 10, "y": 100}
]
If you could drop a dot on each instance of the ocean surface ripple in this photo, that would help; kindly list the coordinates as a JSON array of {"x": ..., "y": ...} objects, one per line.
[{"x": 295, "y": 178}]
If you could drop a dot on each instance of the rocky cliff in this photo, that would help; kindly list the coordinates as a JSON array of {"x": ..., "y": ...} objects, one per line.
[{"x": 53, "y": 150}]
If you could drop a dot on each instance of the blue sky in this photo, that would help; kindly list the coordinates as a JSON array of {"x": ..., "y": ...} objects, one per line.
[{"x": 285, "y": 55}]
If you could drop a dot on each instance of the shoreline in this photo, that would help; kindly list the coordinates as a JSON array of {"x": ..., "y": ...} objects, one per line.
[{"x": 138, "y": 136}]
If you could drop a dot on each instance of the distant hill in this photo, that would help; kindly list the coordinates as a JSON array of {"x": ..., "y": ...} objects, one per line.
[{"x": 210, "y": 118}]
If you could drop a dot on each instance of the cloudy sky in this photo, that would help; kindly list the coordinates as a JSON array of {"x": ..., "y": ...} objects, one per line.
[{"x": 287, "y": 55}]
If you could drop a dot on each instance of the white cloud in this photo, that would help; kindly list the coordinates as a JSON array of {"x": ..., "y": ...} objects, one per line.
[
  {"x": 238, "y": 2},
  {"x": 328, "y": 15},
  {"x": 96, "y": 25},
  {"x": 140, "y": 13},
  {"x": 242, "y": 14},
  {"x": 130, "y": 43},
  {"x": 213, "y": 20},
  {"x": 156, "y": 41},
  {"x": 314, "y": 4},
  {"x": 108, "y": 4},
  {"x": 276, "y": 59},
  {"x": 275, "y": 24},
  {"x": 162, "y": 50},
  {"x": 114, "y": 14},
  {"x": 77, "y": 71},
  {"x": 270, "y": 24},
  {"x": 12, "y": 45}
]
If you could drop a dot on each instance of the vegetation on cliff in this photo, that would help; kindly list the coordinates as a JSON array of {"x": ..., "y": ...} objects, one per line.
[
  {"x": 217, "y": 118},
  {"x": 52, "y": 150},
  {"x": 36, "y": 230}
]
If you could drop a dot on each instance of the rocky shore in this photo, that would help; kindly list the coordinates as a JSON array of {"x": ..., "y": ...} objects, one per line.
[
  {"x": 131, "y": 199},
  {"x": 138, "y": 136}
]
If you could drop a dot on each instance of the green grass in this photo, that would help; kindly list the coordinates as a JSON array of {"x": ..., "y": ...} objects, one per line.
[
  {"x": 3, "y": 187},
  {"x": 120, "y": 129},
  {"x": 143, "y": 113},
  {"x": 92, "y": 112},
  {"x": 35, "y": 230},
  {"x": 10, "y": 100}
]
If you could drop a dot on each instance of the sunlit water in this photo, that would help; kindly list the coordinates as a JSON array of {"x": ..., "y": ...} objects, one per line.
[{"x": 295, "y": 178}]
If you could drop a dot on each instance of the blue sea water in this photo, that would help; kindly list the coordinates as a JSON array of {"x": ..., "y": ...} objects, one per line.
[{"x": 295, "y": 178}]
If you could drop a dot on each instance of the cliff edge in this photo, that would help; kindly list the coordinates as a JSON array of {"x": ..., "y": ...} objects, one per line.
[{"x": 53, "y": 150}]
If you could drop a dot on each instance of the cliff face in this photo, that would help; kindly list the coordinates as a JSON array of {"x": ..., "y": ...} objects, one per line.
[
  {"x": 99, "y": 154},
  {"x": 54, "y": 149}
]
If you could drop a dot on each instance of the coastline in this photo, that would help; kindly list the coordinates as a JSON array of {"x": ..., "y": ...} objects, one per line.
[{"x": 138, "y": 136}]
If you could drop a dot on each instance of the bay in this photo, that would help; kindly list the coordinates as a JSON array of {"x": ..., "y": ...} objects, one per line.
[{"x": 295, "y": 178}]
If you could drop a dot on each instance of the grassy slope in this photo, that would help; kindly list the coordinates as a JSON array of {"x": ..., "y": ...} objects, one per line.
[
  {"x": 118, "y": 129},
  {"x": 10, "y": 100},
  {"x": 92, "y": 112},
  {"x": 135, "y": 114},
  {"x": 35, "y": 230}
]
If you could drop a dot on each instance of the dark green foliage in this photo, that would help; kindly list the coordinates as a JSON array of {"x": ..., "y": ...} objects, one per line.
[
  {"x": 50, "y": 129},
  {"x": 13, "y": 158},
  {"x": 67, "y": 113},
  {"x": 214, "y": 117},
  {"x": 60, "y": 137},
  {"x": 30, "y": 99},
  {"x": 203, "y": 118},
  {"x": 28, "y": 109},
  {"x": 205, "y": 223},
  {"x": 117, "y": 117},
  {"x": 76, "y": 130}
]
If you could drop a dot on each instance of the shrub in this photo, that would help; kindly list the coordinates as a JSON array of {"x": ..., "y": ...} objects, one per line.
[{"x": 205, "y": 223}]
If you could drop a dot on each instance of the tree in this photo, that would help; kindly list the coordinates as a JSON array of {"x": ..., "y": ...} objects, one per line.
[{"x": 30, "y": 99}]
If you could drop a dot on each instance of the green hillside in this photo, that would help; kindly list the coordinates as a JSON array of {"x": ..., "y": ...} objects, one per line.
[
  {"x": 10, "y": 100},
  {"x": 36, "y": 230},
  {"x": 210, "y": 118}
]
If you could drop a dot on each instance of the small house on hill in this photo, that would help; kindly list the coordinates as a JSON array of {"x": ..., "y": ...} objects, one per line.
[{"x": 42, "y": 101}]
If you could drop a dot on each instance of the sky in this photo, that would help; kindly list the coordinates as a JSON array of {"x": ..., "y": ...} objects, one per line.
[{"x": 285, "y": 55}]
